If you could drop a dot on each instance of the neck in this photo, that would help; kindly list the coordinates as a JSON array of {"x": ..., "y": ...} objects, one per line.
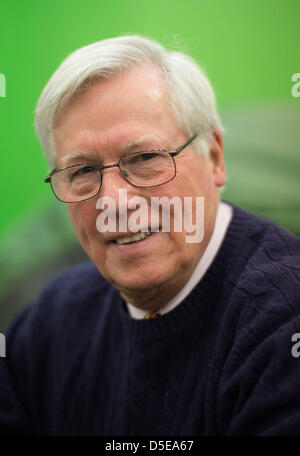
[{"x": 154, "y": 299}]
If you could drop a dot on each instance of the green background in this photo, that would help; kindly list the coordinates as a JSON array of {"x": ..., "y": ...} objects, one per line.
[{"x": 250, "y": 51}]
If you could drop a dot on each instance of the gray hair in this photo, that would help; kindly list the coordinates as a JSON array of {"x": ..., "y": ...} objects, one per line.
[{"x": 190, "y": 95}]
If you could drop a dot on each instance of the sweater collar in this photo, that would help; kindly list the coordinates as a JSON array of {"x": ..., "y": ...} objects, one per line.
[{"x": 202, "y": 305}]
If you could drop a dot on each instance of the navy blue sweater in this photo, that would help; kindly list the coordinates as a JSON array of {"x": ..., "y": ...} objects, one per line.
[{"x": 220, "y": 363}]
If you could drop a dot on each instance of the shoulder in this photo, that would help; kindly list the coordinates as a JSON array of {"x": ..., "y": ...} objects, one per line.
[
  {"x": 259, "y": 370},
  {"x": 83, "y": 278},
  {"x": 50, "y": 337},
  {"x": 263, "y": 309},
  {"x": 267, "y": 287},
  {"x": 75, "y": 286},
  {"x": 74, "y": 298},
  {"x": 273, "y": 256}
]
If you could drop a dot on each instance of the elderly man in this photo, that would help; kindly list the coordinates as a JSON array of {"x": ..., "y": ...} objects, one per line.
[{"x": 126, "y": 118}]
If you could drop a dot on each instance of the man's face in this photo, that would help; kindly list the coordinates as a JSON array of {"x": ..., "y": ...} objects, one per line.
[{"x": 100, "y": 125}]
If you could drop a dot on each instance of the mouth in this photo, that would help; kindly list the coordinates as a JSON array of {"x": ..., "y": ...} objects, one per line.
[{"x": 137, "y": 237}]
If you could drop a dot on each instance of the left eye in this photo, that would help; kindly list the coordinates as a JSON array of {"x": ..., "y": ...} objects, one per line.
[
  {"x": 84, "y": 170},
  {"x": 148, "y": 156}
]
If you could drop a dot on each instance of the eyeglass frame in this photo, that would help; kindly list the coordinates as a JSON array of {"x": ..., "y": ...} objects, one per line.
[{"x": 173, "y": 154}]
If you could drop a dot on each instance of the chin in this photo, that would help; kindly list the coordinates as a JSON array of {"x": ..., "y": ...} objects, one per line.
[{"x": 137, "y": 281}]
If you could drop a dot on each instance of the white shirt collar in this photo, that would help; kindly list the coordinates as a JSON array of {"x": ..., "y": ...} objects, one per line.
[{"x": 223, "y": 218}]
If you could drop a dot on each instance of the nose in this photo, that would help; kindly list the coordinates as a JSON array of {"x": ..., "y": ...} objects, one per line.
[
  {"x": 113, "y": 181},
  {"x": 113, "y": 186}
]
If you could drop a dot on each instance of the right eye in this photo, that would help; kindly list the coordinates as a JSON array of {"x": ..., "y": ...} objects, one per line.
[
  {"x": 83, "y": 170},
  {"x": 147, "y": 156},
  {"x": 76, "y": 174}
]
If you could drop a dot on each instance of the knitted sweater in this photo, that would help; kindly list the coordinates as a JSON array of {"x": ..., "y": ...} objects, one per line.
[{"x": 220, "y": 363}]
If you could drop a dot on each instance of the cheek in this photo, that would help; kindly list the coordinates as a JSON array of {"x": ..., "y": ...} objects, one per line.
[
  {"x": 192, "y": 177},
  {"x": 83, "y": 218},
  {"x": 183, "y": 255}
]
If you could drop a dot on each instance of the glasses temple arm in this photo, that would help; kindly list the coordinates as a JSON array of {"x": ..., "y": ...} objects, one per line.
[
  {"x": 48, "y": 178},
  {"x": 176, "y": 152}
]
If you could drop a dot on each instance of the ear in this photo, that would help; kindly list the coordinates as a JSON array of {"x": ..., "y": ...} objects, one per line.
[{"x": 217, "y": 158}]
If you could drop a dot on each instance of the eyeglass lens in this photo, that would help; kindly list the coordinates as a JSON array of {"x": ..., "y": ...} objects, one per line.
[{"x": 144, "y": 169}]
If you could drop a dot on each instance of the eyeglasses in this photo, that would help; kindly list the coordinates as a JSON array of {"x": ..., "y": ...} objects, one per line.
[{"x": 148, "y": 168}]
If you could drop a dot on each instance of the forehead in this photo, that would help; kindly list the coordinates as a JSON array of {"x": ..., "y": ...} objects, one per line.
[{"x": 111, "y": 113}]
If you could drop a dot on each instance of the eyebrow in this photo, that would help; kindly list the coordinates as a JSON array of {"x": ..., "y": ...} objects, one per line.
[
  {"x": 85, "y": 157},
  {"x": 81, "y": 156},
  {"x": 137, "y": 142}
]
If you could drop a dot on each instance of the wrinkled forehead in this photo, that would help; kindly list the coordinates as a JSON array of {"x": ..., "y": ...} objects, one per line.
[
  {"x": 150, "y": 78},
  {"x": 128, "y": 110}
]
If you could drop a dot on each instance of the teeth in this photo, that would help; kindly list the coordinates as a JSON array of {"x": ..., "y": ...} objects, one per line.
[{"x": 135, "y": 238}]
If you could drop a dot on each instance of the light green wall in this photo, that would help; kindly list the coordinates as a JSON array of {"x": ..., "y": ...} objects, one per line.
[{"x": 249, "y": 49}]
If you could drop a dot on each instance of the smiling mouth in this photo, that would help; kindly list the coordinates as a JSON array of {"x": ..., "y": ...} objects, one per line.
[{"x": 137, "y": 237}]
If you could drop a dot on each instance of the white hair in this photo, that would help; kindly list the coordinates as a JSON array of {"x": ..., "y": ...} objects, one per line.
[{"x": 189, "y": 92}]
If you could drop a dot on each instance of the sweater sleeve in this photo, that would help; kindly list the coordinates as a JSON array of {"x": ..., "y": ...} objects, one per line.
[
  {"x": 259, "y": 389},
  {"x": 37, "y": 341},
  {"x": 14, "y": 415}
]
